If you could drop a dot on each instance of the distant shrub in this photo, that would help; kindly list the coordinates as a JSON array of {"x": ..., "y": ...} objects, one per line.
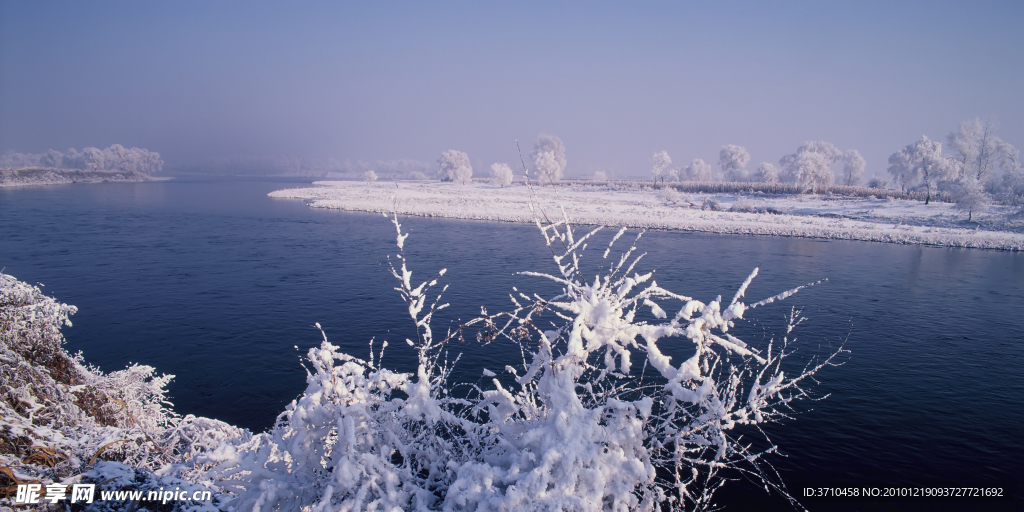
[
  {"x": 743, "y": 206},
  {"x": 711, "y": 203},
  {"x": 501, "y": 174}
]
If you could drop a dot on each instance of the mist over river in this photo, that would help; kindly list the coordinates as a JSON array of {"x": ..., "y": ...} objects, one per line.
[{"x": 216, "y": 283}]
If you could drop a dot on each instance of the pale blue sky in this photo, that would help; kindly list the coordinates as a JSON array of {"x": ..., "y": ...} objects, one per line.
[{"x": 616, "y": 81}]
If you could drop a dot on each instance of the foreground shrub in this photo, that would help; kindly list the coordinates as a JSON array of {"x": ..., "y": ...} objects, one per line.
[
  {"x": 595, "y": 416},
  {"x": 576, "y": 426}
]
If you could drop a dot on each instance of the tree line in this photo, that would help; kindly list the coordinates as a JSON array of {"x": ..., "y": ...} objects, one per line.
[
  {"x": 979, "y": 168},
  {"x": 113, "y": 158}
]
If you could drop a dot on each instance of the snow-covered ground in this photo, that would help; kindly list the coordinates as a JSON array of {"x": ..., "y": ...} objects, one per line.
[{"x": 812, "y": 216}]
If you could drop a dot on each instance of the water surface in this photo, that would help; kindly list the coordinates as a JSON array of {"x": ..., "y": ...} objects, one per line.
[{"x": 216, "y": 283}]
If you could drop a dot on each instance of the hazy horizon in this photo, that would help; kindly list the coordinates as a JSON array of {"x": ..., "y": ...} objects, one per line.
[{"x": 616, "y": 82}]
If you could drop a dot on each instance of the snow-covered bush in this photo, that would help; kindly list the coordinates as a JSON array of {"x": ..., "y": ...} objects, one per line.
[
  {"x": 548, "y": 158},
  {"x": 599, "y": 176},
  {"x": 595, "y": 416},
  {"x": 741, "y": 205},
  {"x": 577, "y": 425},
  {"x": 878, "y": 183},
  {"x": 501, "y": 174},
  {"x": 710, "y": 203},
  {"x": 670, "y": 195},
  {"x": 61, "y": 418},
  {"x": 369, "y": 176},
  {"x": 454, "y": 166}
]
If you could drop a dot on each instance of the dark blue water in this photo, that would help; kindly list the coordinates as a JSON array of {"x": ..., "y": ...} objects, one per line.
[{"x": 216, "y": 283}]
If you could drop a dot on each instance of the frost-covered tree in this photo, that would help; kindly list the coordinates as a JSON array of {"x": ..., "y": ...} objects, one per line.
[
  {"x": 370, "y": 176},
  {"x": 807, "y": 171},
  {"x": 1011, "y": 186},
  {"x": 113, "y": 158},
  {"x": 454, "y": 166},
  {"x": 732, "y": 159},
  {"x": 766, "y": 173},
  {"x": 52, "y": 158},
  {"x": 965, "y": 142},
  {"x": 1012, "y": 191},
  {"x": 922, "y": 163},
  {"x": 970, "y": 195},
  {"x": 698, "y": 170},
  {"x": 501, "y": 174},
  {"x": 548, "y": 158},
  {"x": 659, "y": 162},
  {"x": 979, "y": 152},
  {"x": 811, "y": 170},
  {"x": 599, "y": 176},
  {"x": 853, "y": 167},
  {"x": 976, "y": 148}
]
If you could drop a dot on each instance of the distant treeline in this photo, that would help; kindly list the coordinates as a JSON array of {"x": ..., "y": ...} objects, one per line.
[
  {"x": 54, "y": 176},
  {"x": 746, "y": 187},
  {"x": 115, "y": 158}
]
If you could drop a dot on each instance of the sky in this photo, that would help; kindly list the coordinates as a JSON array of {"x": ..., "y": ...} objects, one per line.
[{"x": 616, "y": 81}]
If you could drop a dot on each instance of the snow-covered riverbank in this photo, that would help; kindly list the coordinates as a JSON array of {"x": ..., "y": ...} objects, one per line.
[
  {"x": 879, "y": 220},
  {"x": 53, "y": 176}
]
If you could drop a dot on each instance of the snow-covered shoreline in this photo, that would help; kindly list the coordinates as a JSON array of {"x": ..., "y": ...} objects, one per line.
[
  {"x": 809, "y": 216},
  {"x": 54, "y": 176}
]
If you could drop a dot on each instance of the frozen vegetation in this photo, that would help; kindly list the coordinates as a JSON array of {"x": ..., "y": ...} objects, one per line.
[
  {"x": 594, "y": 416},
  {"x": 740, "y": 209},
  {"x": 970, "y": 196},
  {"x": 90, "y": 165}
]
